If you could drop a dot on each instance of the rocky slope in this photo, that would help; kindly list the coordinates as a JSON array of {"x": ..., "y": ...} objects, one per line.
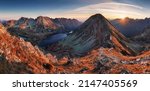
[
  {"x": 18, "y": 56},
  {"x": 106, "y": 61}
]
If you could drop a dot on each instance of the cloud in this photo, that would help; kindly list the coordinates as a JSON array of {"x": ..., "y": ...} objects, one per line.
[
  {"x": 111, "y": 10},
  {"x": 111, "y": 5}
]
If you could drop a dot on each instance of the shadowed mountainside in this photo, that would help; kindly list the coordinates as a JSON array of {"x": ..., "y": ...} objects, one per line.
[{"x": 131, "y": 27}]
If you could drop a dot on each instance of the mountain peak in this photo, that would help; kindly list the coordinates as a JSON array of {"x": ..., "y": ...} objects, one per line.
[
  {"x": 46, "y": 23},
  {"x": 94, "y": 33},
  {"x": 96, "y": 25},
  {"x": 43, "y": 17},
  {"x": 23, "y": 18},
  {"x": 97, "y": 16}
]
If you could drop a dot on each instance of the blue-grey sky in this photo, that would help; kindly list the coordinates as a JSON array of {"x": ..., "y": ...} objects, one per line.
[{"x": 80, "y": 9}]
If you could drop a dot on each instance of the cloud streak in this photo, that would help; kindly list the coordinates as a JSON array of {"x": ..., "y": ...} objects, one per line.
[
  {"x": 111, "y": 10},
  {"x": 111, "y": 5}
]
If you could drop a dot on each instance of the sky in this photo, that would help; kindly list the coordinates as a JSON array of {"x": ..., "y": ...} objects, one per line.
[{"x": 79, "y": 9}]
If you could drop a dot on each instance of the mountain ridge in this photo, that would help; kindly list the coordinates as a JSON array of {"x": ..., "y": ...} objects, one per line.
[
  {"x": 131, "y": 27},
  {"x": 94, "y": 33},
  {"x": 43, "y": 24}
]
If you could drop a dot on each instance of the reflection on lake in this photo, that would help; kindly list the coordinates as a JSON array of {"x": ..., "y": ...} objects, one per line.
[{"x": 53, "y": 39}]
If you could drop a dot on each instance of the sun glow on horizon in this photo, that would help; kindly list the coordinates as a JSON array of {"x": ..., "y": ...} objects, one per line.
[{"x": 122, "y": 17}]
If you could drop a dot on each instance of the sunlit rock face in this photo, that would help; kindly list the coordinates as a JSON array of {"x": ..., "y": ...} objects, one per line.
[{"x": 18, "y": 56}]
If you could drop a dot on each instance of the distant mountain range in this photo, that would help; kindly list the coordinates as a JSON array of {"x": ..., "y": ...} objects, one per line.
[
  {"x": 131, "y": 27},
  {"x": 128, "y": 26},
  {"x": 43, "y": 24}
]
